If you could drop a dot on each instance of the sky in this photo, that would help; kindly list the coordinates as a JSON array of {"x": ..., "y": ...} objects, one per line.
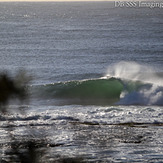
[
  {"x": 67, "y": 0},
  {"x": 47, "y": 0}
]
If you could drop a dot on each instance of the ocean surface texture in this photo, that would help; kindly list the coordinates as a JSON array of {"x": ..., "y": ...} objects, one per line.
[{"x": 96, "y": 82}]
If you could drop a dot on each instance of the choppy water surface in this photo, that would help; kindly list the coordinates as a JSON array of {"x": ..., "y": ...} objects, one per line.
[
  {"x": 89, "y": 134},
  {"x": 96, "y": 93}
]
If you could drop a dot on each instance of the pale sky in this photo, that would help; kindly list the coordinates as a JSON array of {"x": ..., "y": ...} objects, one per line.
[
  {"x": 47, "y": 0},
  {"x": 66, "y": 0}
]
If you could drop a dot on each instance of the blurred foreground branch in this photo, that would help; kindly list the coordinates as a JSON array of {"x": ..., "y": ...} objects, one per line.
[{"x": 13, "y": 87}]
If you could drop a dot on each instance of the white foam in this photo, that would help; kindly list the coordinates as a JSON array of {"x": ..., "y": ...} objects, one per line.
[{"x": 146, "y": 95}]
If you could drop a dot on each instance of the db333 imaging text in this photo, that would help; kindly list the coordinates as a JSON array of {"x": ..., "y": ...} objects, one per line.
[{"x": 138, "y": 4}]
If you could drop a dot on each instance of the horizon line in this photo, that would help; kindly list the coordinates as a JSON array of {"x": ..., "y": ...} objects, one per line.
[
  {"x": 56, "y": 0},
  {"x": 73, "y": 0}
]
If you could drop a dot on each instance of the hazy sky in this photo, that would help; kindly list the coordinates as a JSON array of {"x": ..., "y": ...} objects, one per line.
[
  {"x": 67, "y": 0},
  {"x": 48, "y": 0}
]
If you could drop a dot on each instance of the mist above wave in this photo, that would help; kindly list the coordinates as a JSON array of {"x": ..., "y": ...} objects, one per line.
[
  {"x": 134, "y": 71},
  {"x": 149, "y": 93}
]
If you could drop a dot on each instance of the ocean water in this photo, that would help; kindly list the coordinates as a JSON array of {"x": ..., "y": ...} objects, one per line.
[{"x": 96, "y": 93}]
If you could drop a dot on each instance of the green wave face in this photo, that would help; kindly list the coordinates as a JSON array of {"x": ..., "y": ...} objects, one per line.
[
  {"x": 100, "y": 92},
  {"x": 89, "y": 89}
]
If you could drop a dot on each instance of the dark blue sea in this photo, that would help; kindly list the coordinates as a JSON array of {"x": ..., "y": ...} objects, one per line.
[{"x": 95, "y": 92}]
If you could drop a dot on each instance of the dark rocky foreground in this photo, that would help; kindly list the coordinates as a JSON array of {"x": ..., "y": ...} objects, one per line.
[{"x": 74, "y": 141}]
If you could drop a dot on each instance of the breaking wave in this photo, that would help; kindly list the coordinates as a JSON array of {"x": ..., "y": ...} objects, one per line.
[
  {"x": 149, "y": 91},
  {"x": 94, "y": 91},
  {"x": 126, "y": 83}
]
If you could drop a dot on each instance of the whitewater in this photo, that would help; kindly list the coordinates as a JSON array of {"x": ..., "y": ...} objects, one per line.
[{"x": 94, "y": 80}]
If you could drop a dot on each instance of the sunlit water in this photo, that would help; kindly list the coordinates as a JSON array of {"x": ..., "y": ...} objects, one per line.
[{"x": 71, "y": 50}]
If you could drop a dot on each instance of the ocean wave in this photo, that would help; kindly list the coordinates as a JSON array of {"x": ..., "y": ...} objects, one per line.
[
  {"x": 83, "y": 92},
  {"x": 126, "y": 83},
  {"x": 102, "y": 91}
]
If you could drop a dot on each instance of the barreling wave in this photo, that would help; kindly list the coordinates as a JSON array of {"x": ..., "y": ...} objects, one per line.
[
  {"x": 85, "y": 92},
  {"x": 120, "y": 87},
  {"x": 102, "y": 91}
]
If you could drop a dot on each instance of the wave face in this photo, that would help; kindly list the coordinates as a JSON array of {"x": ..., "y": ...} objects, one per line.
[
  {"x": 103, "y": 92},
  {"x": 126, "y": 83},
  {"x": 93, "y": 91}
]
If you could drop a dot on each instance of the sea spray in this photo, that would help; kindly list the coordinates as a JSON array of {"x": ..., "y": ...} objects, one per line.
[
  {"x": 142, "y": 85},
  {"x": 135, "y": 72}
]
